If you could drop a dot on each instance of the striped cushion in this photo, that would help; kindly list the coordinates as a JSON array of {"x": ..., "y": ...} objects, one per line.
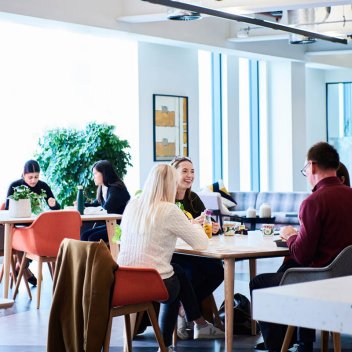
[{"x": 284, "y": 202}]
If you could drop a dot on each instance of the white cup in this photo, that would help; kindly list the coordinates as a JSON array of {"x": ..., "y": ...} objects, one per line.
[
  {"x": 251, "y": 213},
  {"x": 268, "y": 230}
]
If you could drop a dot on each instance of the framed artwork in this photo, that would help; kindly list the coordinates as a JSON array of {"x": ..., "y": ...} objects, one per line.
[{"x": 170, "y": 114}]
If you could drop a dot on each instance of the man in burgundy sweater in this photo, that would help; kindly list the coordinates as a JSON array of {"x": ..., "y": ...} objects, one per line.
[{"x": 325, "y": 229}]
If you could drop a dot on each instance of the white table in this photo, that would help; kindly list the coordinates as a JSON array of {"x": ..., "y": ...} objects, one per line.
[
  {"x": 325, "y": 305},
  {"x": 10, "y": 222},
  {"x": 230, "y": 248}
]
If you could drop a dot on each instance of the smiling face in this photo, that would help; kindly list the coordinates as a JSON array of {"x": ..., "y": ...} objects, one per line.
[
  {"x": 98, "y": 177},
  {"x": 31, "y": 178},
  {"x": 185, "y": 175}
]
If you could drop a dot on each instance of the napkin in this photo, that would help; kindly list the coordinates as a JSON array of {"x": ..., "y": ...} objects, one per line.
[{"x": 94, "y": 210}]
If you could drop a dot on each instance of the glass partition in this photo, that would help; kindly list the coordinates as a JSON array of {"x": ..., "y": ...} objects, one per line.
[{"x": 339, "y": 119}]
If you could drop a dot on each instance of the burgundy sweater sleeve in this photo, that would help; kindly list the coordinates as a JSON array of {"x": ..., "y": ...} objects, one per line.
[{"x": 303, "y": 247}]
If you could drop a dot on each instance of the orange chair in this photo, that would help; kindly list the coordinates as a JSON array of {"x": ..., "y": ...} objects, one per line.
[
  {"x": 41, "y": 240},
  {"x": 135, "y": 290}
]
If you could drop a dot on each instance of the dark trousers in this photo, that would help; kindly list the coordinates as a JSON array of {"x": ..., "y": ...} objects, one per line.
[
  {"x": 180, "y": 290},
  {"x": 205, "y": 274},
  {"x": 274, "y": 334},
  {"x": 169, "y": 309},
  {"x": 95, "y": 234}
]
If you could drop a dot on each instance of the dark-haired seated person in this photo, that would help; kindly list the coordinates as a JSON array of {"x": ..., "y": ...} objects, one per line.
[
  {"x": 324, "y": 217},
  {"x": 30, "y": 178},
  {"x": 343, "y": 175},
  {"x": 112, "y": 195},
  {"x": 205, "y": 274}
]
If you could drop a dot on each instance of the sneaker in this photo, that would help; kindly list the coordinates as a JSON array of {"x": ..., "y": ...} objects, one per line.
[
  {"x": 208, "y": 331},
  {"x": 169, "y": 349},
  {"x": 260, "y": 347},
  {"x": 302, "y": 347},
  {"x": 184, "y": 328}
]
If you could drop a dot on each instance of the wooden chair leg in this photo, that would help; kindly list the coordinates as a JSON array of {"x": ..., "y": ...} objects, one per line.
[
  {"x": 50, "y": 269},
  {"x": 27, "y": 287},
  {"x": 324, "y": 341},
  {"x": 174, "y": 335},
  {"x": 53, "y": 268},
  {"x": 336, "y": 337},
  {"x": 13, "y": 271},
  {"x": 209, "y": 305},
  {"x": 252, "y": 274},
  {"x": 128, "y": 332},
  {"x": 288, "y": 337},
  {"x": 106, "y": 346},
  {"x": 157, "y": 332},
  {"x": 20, "y": 274},
  {"x": 40, "y": 279},
  {"x": 1, "y": 272}
]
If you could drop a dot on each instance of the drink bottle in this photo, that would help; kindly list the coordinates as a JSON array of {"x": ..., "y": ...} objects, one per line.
[
  {"x": 80, "y": 199},
  {"x": 207, "y": 224}
]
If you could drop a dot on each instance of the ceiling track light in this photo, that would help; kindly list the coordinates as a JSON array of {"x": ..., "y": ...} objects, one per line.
[{"x": 240, "y": 18}]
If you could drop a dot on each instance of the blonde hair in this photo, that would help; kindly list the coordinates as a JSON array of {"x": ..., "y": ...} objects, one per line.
[{"x": 160, "y": 186}]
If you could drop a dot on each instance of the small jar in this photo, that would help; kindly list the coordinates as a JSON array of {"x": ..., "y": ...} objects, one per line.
[
  {"x": 265, "y": 211},
  {"x": 251, "y": 213}
]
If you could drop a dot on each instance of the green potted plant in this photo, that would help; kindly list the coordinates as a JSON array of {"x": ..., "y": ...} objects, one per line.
[
  {"x": 66, "y": 157},
  {"x": 23, "y": 202}
]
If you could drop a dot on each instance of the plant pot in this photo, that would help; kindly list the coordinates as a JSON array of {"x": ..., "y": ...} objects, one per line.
[{"x": 20, "y": 208}]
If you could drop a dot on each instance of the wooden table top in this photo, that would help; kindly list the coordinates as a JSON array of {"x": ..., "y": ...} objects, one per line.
[
  {"x": 5, "y": 218},
  {"x": 252, "y": 245},
  {"x": 323, "y": 304}
]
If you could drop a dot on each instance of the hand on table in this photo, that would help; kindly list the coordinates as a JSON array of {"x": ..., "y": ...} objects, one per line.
[
  {"x": 287, "y": 231},
  {"x": 51, "y": 202},
  {"x": 215, "y": 227},
  {"x": 200, "y": 219}
]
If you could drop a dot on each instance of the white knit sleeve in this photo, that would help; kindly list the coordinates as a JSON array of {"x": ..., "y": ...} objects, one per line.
[{"x": 193, "y": 234}]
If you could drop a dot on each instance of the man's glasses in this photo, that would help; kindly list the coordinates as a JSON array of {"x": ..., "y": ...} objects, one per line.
[
  {"x": 178, "y": 159},
  {"x": 304, "y": 170}
]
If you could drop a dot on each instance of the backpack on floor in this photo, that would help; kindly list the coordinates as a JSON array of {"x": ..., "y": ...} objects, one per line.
[{"x": 242, "y": 314}]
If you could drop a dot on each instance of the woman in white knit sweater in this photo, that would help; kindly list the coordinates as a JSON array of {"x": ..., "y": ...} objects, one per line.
[{"x": 150, "y": 227}]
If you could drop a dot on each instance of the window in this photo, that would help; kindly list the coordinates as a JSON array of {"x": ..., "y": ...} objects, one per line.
[
  {"x": 48, "y": 76},
  {"x": 339, "y": 119}
]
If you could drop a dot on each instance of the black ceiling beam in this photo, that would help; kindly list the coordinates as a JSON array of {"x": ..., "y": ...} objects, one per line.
[{"x": 240, "y": 18}]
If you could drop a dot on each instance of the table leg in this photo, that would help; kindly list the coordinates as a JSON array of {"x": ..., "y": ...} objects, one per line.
[
  {"x": 253, "y": 225},
  {"x": 7, "y": 257},
  {"x": 229, "y": 264},
  {"x": 252, "y": 273},
  {"x": 114, "y": 249}
]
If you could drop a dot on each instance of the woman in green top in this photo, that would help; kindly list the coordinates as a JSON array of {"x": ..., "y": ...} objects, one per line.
[{"x": 205, "y": 274}]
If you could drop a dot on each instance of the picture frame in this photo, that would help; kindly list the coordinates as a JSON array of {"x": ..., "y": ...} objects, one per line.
[{"x": 170, "y": 122}]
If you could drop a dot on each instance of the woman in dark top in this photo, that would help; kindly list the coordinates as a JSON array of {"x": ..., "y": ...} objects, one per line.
[
  {"x": 30, "y": 178},
  {"x": 205, "y": 274},
  {"x": 112, "y": 195},
  {"x": 343, "y": 175}
]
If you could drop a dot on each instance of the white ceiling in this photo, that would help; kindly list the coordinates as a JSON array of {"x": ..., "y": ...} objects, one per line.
[{"x": 209, "y": 32}]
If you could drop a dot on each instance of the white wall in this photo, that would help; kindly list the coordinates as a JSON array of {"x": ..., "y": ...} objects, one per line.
[
  {"x": 338, "y": 75},
  {"x": 63, "y": 77},
  {"x": 173, "y": 71}
]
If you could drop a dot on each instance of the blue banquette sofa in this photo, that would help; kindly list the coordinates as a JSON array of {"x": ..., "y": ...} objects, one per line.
[{"x": 284, "y": 205}]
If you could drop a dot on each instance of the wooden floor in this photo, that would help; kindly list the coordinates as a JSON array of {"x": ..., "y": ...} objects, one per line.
[{"x": 23, "y": 328}]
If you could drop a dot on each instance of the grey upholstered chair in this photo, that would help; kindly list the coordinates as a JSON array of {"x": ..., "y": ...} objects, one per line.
[{"x": 340, "y": 266}]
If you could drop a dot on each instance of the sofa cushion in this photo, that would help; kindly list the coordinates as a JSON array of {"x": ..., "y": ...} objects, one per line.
[
  {"x": 244, "y": 200},
  {"x": 227, "y": 198},
  {"x": 284, "y": 202}
]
